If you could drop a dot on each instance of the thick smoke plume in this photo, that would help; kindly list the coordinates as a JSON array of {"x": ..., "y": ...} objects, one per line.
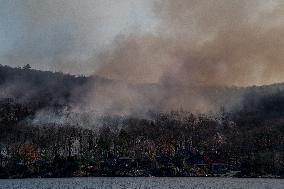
[
  {"x": 204, "y": 42},
  {"x": 183, "y": 61},
  {"x": 198, "y": 46}
]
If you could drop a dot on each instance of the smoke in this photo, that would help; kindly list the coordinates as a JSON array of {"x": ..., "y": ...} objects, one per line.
[
  {"x": 160, "y": 54},
  {"x": 198, "y": 47},
  {"x": 205, "y": 42}
]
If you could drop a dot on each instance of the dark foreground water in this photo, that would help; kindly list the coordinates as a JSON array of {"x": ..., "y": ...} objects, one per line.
[{"x": 141, "y": 183}]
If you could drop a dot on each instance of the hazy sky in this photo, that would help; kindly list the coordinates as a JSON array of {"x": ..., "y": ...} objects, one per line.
[
  {"x": 63, "y": 34},
  {"x": 215, "y": 42}
]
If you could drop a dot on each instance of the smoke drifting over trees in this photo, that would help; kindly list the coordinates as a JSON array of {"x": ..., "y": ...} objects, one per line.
[
  {"x": 43, "y": 137},
  {"x": 181, "y": 46},
  {"x": 134, "y": 62},
  {"x": 97, "y": 96},
  {"x": 199, "y": 44},
  {"x": 61, "y": 98}
]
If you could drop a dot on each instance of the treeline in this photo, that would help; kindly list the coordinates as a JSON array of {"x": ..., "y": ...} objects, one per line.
[
  {"x": 245, "y": 141},
  {"x": 28, "y": 85},
  {"x": 165, "y": 144}
]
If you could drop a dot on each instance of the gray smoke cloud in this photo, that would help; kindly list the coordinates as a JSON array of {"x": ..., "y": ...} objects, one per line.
[
  {"x": 161, "y": 54},
  {"x": 208, "y": 42},
  {"x": 198, "y": 47}
]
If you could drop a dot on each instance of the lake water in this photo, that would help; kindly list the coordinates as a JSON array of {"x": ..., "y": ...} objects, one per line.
[{"x": 142, "y": 183}]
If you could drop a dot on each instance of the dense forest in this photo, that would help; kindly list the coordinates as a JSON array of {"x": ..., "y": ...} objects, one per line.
[{"x": 244, "y": 142}]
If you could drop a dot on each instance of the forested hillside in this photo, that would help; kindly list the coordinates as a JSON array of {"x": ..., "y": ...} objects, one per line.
[{"x": 245, "y": 141}]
